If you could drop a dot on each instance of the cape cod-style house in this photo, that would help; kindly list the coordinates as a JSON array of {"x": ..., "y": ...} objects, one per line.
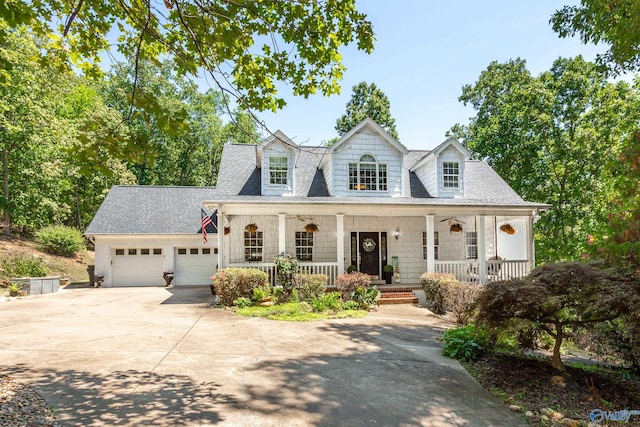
[{"x": 362, "y": 203}]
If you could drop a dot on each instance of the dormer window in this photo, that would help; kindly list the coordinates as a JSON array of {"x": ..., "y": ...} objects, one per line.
[
  {"x": 367, "y": 175},
  {"x": 278, "y": 170},
  {"x": 451, "y": 174}
]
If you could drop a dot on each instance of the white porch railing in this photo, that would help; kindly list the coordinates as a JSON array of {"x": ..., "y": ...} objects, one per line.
[
  {"x": 468, "y": 271},
  {"x": 328, "y": 268}
]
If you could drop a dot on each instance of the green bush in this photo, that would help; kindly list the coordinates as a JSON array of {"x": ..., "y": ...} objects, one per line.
[
  {"x": 262, "y": 292},
  {"x": 435, "y": 288},
  {"x": 23, "y": 267},
  {"x": 60, "y": 240},
  {"x": 310, "y": 285},
  {"x": 350, "y": 305},
  {"x": 233, "y": 283},
  {"x": 464, "y": 343},
  {"x": 328, "y": 301},
  {"x": 349, "y": 282},
  {"x": 365, "y": 297},
  {"x": 242, "y": 302},
  {"x": 286, "y": 268}
]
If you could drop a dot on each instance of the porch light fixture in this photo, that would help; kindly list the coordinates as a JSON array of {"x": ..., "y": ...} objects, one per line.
[{"x": 396, "y": 233}]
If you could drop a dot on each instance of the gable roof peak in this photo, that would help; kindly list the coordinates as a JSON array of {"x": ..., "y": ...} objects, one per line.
[{"x": 371, "y": 124}]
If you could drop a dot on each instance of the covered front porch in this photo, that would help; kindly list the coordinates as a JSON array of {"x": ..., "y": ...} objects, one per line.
[{"x": 476, "y": 244}]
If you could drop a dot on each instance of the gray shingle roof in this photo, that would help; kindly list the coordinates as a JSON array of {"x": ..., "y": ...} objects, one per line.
[
  {"x": 150, "y": 210},
  {"x": 176, "y": 210}
]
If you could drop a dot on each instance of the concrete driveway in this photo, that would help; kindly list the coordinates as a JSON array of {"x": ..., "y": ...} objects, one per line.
[{"x": 155, "y": 357}]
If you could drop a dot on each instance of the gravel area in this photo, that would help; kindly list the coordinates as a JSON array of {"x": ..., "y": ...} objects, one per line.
[{"x": 20, "y": 405}]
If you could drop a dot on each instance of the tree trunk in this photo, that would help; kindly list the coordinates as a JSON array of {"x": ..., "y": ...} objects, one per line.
[
  {"x": 5, "y": 191},
  {"x": 556, "y": 361}
]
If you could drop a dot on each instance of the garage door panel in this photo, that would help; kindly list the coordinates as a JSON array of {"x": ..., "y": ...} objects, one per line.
[
  {"x": 194, "y": 266},
  {"x": 138, "y": 267}
]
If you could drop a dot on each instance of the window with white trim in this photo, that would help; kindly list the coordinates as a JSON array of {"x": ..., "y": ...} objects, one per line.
[
  {"x": 367, "y": 175},
  {"x": 253, "y": 246},
  {"x": 436, "y": 242},
  {"x": 471, "y": 238},
  {"x": 451, "y": 174},
  {"x": 278, "y": 170},
  {"x": 304, "y": 246}
]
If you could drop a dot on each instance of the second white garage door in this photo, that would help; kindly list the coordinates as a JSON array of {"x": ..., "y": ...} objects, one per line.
[{"x": 194, "y": 266}]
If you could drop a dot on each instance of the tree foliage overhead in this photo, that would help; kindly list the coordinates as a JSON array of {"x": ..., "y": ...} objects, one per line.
[
  {"x": 614, "y": 23},
  {"x": 558, "y": 298},
  {"x": 245, "y": 46},
  {"x": 552, "y": 137},
  {"x": 367, "y": 100}
]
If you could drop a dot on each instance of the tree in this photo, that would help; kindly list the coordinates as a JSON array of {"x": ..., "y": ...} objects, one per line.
[
  {"x": 245, "y": 47},
  {"x": 555, "y": 298},
  {"x": 183, "y": 139},
  {"x": 614, "y": 23},
  {"x": 550, "y": 137},
  {"x": 367, "y": 101}
]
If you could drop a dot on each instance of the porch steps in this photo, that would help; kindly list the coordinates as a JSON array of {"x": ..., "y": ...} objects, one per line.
[{"x": 398, "y": 295}]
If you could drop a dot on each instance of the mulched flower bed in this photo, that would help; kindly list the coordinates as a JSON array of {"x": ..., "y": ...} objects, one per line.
[
  {"x": 20, "y": 405},
  {"x": 546, "y": 397}
]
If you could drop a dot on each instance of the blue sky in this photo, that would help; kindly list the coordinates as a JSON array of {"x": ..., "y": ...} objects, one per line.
[{"x": 425, "y": 52}]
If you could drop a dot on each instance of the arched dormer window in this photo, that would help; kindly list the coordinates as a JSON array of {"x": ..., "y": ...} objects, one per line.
[{"x": 367, "y": 175}]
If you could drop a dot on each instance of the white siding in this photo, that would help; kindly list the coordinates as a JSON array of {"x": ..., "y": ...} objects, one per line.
[
  {"x": 428, "y": 175},
  {"x": 450, "y": 154},
  {"x": 361, "y": 143},
  {"x": 277, "y": 149}
]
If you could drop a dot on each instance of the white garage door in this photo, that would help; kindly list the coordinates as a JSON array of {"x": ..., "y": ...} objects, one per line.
[
  {"x": 138, "y": 267},
  {"x": 194, "y": 266}
]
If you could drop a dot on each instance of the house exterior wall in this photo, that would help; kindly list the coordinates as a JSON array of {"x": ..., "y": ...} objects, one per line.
[
  {"x": 361, "y": 143},
  {"x": 277, "y": 149},
  {"x": 450, "y": 154},
  {"x": 428, "y": 175},
  {"x": 105, "y": 246}
]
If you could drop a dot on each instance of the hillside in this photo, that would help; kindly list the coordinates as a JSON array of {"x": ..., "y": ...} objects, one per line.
[{"x": 74, "y": 267}]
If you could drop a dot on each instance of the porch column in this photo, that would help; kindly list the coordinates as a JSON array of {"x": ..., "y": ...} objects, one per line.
[
  {"x": 531, "y": 256},
  {"x": 340, "y": 242},
  {"x": 482, "y": 249},
  {"x": 220, "y": 219},
  {"x": 282, "y": 241},
  {"x": 431, "y": 256}
]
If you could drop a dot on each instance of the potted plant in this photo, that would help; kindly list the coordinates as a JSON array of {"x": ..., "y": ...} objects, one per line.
[
  {"x": 387, "y": 274},
  {"x": 351, "y": 269},
  {"x": 311, "y": 228},
  {"x": 263, "y": 296},
  {"x": 251, "y": 228},
  {"x": 14, "y": 288},
  {"x": 508, "y": 228}
]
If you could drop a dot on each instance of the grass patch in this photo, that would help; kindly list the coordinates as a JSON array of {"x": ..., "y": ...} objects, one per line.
[{"x": 296, "y": 312}]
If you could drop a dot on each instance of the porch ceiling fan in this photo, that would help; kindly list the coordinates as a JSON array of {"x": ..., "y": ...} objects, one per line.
[
  {"x": 454, "y": 224},
  {"x": 453, "y": 220}
]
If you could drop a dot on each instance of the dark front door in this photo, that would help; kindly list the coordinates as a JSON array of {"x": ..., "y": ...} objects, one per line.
[{"x": 369, "y": 247}]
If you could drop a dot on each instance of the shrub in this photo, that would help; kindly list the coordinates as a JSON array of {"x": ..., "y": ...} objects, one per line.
[
  {"x": 435, "y": 288},
  {"x": 261, "y": 293},
  {"x": 242, "y": 302},
  {"x": 23, "y": 267},
  {"x": 233, "y": 283},
  {"x": 464, "y": 343},
  {"x": 328, "y": 301},
  {"x": 349, "y": 282},
  {"x": 460, "y": 298},
  {"x": 365, "y": 297},
  {"x": 60, "y": 240},
  {"x": 310, "y": 285},
  {"x": 286, "y": 268},
  {"x": 350, "y": 305}
]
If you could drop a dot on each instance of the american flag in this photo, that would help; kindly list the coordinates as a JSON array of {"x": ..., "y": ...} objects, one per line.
[{"x": 205, "y": 220}]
